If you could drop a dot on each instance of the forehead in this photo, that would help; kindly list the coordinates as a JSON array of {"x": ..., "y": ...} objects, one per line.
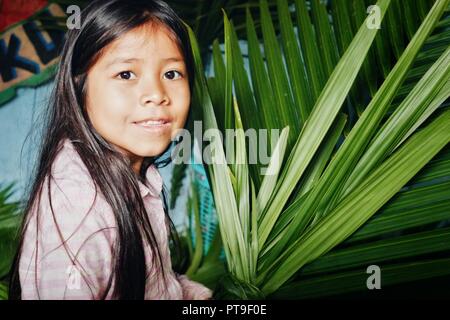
[{"x": 150, "y": 40}]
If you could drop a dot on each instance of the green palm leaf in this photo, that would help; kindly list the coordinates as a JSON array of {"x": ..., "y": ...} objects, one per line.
[{"x": 334, "y": 179}]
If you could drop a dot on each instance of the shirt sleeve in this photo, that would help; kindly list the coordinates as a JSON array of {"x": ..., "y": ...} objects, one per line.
[
  {"x": 69, "y": 255},
  {"x": 193, "y": 290}
]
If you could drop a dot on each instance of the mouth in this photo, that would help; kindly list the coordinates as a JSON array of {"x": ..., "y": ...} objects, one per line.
[{"x": 154, "y": 125}]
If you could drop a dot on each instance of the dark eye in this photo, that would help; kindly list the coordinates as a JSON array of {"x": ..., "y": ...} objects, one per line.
[
  {"x": 172, "y": 74},
  {"x": 125, "y": 75}
]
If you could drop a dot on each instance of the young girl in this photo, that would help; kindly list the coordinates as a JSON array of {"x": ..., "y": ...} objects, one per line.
[{"x": 95, "y": 226}]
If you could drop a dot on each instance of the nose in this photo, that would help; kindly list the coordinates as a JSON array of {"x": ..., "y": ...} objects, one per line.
[{"x": 154, "y": 93}]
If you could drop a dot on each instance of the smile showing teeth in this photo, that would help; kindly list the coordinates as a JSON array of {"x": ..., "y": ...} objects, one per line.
[
  {"x": 154, "y": 126},
  {"x": 151, "y": 122}
]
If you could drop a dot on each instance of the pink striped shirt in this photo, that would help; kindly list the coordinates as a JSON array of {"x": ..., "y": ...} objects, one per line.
[{"x": 87, "y": 225}]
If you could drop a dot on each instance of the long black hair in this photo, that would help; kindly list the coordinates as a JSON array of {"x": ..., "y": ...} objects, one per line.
[{"x": 101, "y": 23}]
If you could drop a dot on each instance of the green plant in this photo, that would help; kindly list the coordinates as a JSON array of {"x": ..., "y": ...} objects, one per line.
[
  {"x": 3, "y": 291},
  {"x": 9, "y": 222},
  {"x": 205, "y": 268},
  {"x": 340, "y": 165}
]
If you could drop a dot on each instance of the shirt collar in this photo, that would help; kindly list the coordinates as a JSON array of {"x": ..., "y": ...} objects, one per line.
[{"x": 153, "y": 182}]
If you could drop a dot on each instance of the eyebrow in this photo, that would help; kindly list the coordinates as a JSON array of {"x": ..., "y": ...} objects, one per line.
[
  {"x": 129, "y": 60},
  {"x": 173, "y": 59}
]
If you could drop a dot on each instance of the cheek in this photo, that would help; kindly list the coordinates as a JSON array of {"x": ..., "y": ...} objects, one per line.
[
  {"x": 107, "y": 108},
  {"x": 182, "y": 107}
]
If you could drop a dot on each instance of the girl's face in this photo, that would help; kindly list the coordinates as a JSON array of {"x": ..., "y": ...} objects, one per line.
[{"x": 138, "y": 92}]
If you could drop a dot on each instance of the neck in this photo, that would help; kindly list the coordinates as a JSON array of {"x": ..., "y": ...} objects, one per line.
[{"x": 136, "y": 164}]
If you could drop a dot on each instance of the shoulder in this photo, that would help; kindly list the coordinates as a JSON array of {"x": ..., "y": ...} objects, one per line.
[
  {"x": 70, "y": 219},
  {"x": 68, "y": 165},
  {"x": 70, "y": 182},
  {"x": 70, "y": 197}
]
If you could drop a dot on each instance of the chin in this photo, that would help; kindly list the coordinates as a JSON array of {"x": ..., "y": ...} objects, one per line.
[{"x": 152, "y": 150}]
